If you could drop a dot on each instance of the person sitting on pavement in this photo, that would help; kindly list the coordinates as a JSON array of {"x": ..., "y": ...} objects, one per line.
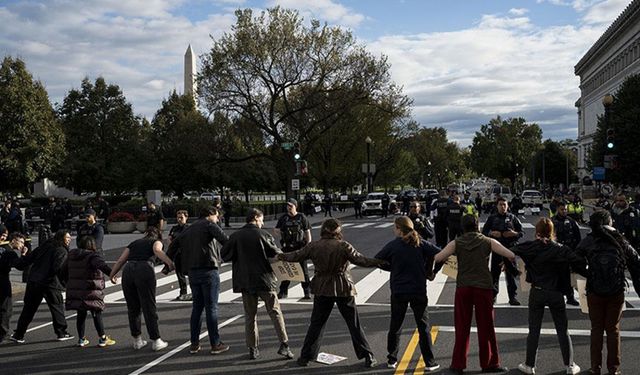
[
  {"x": 474, "y": 289},
  {"x": 250, "y": 249},
  {"x": 547, "y": 263},
  {"x": 332, "y": 284}
]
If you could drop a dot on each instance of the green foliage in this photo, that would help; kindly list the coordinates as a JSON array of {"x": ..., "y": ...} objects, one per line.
[
  {"x": 103, "y": 139},
  {"x": 32, "y": 144},
  {"x": 503, "y": 147},
  {"x": 556, "y": 155},
  {"x": 624, "y": 117}
]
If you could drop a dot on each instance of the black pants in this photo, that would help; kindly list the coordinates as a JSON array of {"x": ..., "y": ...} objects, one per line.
[
  {"x": 418, "y": 303},
  {"x": 358, "y": 212},
  {"x": 139, "y": 288},
  {"x": 538, "y": 299},
  {"x": 385, "y": 211},
  {"x": 6, "y": 309},
  {"x": 441, "y": 233},
  {"x": 454, "y": 231},
  {"x": 322, "y": 307},
  {"x": 327, "y": 210},
  {"x": 182, "y": 279},
  {"x": 32, "y": 297},
  {"x": 227, "y": 218},
  {"x": 97, "y": 322},
  {"x": 510, "y": 271}
]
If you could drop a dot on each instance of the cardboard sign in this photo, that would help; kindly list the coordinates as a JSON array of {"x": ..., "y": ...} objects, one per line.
[
  {"x": 287, "y": 271},
  {"x": 450, "y": 267},
  {"x": 318, "y": 209},
  {"x": 524, "y": 285},
  {"x": 581, "y": 283}
]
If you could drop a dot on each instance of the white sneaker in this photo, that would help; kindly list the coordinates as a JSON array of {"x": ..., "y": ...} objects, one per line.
[
  {"x": 158, "y": 344},
  {"x": 527, "y": 369},
  {"x": 573, "y": 369},
  {"x": 139, "y": 343}
]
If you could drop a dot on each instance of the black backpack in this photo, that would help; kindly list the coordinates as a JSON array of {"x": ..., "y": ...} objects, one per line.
[{"x": 606, "y": 269}]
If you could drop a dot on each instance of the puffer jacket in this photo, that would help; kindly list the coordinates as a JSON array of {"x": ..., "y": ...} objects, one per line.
[
  {"x": 331, "y": 258},
  {"x": 86, "y": 270}
]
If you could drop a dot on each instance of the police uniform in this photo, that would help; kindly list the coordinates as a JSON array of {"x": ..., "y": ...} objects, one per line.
[
  {"x": 384, "y": 202},
  {"x": 454, "y": 217},
  {"x": 568, "y": 234},
  {"x": 440, "y": 222},
  {"x": 421, "y": 225},
  {"x": 292, "y": 230},
  {"x": 503, "y": 223},
  {"x": 627, "y": 222},
  {"x": 96, "y": 231},
  {"x": 469, "y": 208}
]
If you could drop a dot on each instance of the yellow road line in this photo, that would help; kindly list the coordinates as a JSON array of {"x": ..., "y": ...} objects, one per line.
[
  {"x": 408, "y": 354},
  {"x": 420, "y": 367}
]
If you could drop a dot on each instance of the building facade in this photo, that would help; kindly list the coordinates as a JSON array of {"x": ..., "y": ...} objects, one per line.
[{"x": 613, "y": 57}]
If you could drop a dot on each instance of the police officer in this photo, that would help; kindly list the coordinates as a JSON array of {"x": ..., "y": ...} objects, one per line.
[
  {"x": 568, "y": 234},
  {"x": 478, "y": 202},
  {"x": 440, "y": 219},
  {"x": 420, "y": 223},
  {"x": 454, "y": 217},
  {"x": 468, "y": 207},
  {"x": 308, "y": 204},
  {"x": 385, "y": 200},
  {"x": 92, "y": 228},
  {"x": 506, "y": 229},
  {"x": 516, "y": 204},
  {"x": 155, "y": 218},
  {"x": 328, "y": 204},
  {"x": 226, "y": 208},
  {"x": 625, "y": 219},
  {"x": 357, "y": 206},
  {"x": 295, "y": 232}
]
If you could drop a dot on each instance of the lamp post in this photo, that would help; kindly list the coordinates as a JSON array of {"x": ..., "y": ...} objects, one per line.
[
  {"x": 429, "y": 173},
  {"x": 368, "y": 141}
]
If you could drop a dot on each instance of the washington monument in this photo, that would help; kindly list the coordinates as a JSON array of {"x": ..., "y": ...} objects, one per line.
[{"x": 189, "y": 72}]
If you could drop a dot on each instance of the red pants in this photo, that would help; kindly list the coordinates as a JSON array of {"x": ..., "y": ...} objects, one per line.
[{"x": 482, "y": 299}]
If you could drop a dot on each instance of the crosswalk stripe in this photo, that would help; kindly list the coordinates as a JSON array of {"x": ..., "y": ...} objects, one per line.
[
  {"x": 435, "y": 287},
  {"x": 345, "y": 225},
  {"x": 364, "y": 225},
  {"x": 385, "y": 225},
  {"x": 503, "y": 295},
  {"x": 370, "y": 284}
]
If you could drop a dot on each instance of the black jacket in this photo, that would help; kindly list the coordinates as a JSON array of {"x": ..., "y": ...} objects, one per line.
[
  {"x": 250, "y": 249},
  {"x": 47, "y": 261},
  {"x": 503, "y": 223},
  {"x": 547, "y": 264},
  {"x": 199, "y": 245},
  {"x": 8, "y": 258},
  {"x": 567, "y": 231}
]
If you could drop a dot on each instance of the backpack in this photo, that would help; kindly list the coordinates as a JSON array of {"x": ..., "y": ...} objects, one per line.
[{"x": 606, "y": 270}]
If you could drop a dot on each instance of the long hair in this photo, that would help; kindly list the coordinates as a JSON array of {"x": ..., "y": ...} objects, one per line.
[
  {"x": 545, "y": 229},
  {"x": 87, "y": 243},
  {"x": 331, "y": 228},
  {"x": 58, "y": 238},
  {"x": 409, "y": 235},
  {"x": 153, "y": 232},
  {"x": 597, "y": 221}
]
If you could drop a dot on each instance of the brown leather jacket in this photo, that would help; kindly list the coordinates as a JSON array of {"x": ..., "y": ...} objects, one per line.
[{"x": 331, "y": 258}]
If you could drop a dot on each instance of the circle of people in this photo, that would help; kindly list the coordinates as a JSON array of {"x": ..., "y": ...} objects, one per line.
[{"x": 199, "y": 249}]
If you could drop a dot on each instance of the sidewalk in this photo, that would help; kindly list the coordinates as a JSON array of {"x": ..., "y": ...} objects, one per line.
[{"x": 113, "y": 242}]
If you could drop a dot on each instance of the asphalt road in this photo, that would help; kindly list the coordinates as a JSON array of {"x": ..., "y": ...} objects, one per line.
[{"x": 43, "y": 355}]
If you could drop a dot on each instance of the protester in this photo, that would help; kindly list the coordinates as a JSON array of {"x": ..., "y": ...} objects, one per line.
[
  {"x": 547, "y": 263},
  {"x": 474, "y": 289},
  {"x": 411, "y": 262},
  {"x": 9, "y": 255},
  {"x": 199, "y": 247},
  {"x": 608, "y": 254},
  {"x": 332, "y": 284},
  {"x": 250, "y": 249},
  {"x": 139, "y": 286},
  {"x": 46, "y": 263},
  {"x": 85, "y": 285},
  {"x": 181, "y": 218}
]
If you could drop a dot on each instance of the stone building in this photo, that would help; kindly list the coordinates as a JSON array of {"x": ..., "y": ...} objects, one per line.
[{"x": 613, "y": 57}]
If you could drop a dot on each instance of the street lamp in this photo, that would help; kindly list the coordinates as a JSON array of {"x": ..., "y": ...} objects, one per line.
[
  {"x": 429, "y": 173},
  {"x": 368, "y": 141},
  {"x": 607, "y": 100}
]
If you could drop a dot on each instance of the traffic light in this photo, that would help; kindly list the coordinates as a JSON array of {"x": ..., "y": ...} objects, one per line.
[
  {"x": 611, "y": 135},
  {"x": 296, "y": 151}
]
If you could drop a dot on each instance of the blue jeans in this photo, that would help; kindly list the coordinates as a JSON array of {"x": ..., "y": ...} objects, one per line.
[{"x": 205, "y": 286}]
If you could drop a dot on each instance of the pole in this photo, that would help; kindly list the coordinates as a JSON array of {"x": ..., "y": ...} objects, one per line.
[
  {"x": 544, "y": 182},
  {"x": 567, "y": 171},
  {"x": 368, "y": 167}
]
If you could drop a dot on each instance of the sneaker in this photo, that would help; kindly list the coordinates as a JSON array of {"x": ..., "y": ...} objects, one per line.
[
  {"x": 219, "y": 348},
  {"x": 285, "y": 351},
  {"x": 194, "y": 348},
  {"x": 575, "y": 369},
  {"x": 526, "y": 369},
  {"x": 139, "y": 343},
  {"x": 254, "y": 353},
  {"x": 495, "y": 369},
  {"x": 514, "y": 302},
  {"x": 184, "y": 297},
  {"x": 432, "y": 367},
  {"x": 18, "y": 340},
  {"x": 159, "y": 344},
  {"x": 392, "y": 363},
  {"x": 64, "y": 337},
  {"x": 82, "y": 342},
  {"x": 302, "y": 362},
  {"x": 370, "y": 361},
  {"x": 106, "y": 341}
]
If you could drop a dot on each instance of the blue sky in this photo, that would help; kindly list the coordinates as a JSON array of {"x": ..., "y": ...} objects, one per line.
[{"x": 461, "y": 61}]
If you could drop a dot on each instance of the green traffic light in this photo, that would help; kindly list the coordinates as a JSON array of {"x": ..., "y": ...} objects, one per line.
[
  {"x": 610, "y": 145},
  {"x": 297, "y": 156}
]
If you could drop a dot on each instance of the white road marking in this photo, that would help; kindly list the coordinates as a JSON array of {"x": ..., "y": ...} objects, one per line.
[
  {"x": 363, "y": 225},
  {"x": 385, "y": 225},
  {"x": 368, "y": 285},
  {"x": 435, "y": 287}
]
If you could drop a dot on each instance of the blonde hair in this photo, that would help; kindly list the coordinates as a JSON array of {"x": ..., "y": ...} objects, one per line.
[{"x": 409, "y": 235}]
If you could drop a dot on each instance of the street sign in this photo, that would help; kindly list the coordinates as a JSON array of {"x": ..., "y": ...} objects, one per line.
[
  {"x": 287, "y": 145},
  {"x": 295, "y": 184},
  {"x": 372, "y": 168},
  {"x": 606, "y": 189},
  {"x": 598, "y": 173}
]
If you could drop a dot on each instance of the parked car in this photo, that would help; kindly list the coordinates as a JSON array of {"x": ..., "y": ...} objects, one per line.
[
  {"x": 428, "y": 195},
  {"x": 373, "y": 203},
  {"x": 209, "y": 196},
  {"x": 532, "y": 198}
]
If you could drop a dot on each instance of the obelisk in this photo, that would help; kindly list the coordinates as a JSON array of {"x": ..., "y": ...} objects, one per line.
[{"x": 189, "y": 72}]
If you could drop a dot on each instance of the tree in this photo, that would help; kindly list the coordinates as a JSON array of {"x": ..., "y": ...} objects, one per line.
[
  {"x": 556, "y": 156},
  {"x": 290, "y": 81},
  {"x": 624, "y": 117},
  {"x": 103, "y": 139},
  {"x": 32, "y": 144},
  {"x": 502, "y": 147}
]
